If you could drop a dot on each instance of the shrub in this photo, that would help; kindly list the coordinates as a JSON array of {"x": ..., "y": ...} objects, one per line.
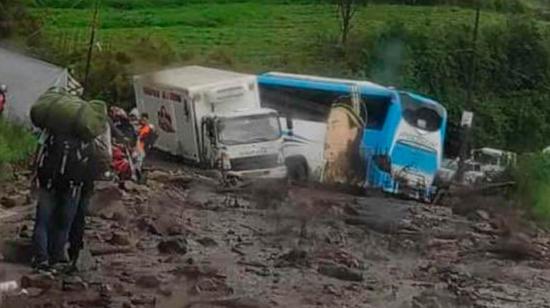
[
  {"x": 16, "y": 143},
  {"x": 533, "y": 180}
]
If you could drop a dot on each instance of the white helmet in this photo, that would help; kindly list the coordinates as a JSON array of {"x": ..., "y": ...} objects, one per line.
[{"x": 3, "y": 88}]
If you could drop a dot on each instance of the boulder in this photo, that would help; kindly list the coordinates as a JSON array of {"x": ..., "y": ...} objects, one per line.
[{"x": 174, "y": 245}]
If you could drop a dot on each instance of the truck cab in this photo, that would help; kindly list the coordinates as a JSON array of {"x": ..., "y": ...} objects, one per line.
[{"x": 247, "y": 143}]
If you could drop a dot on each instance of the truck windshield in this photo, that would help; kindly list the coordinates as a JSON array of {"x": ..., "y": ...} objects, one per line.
[{"x": 250, "y": 129}]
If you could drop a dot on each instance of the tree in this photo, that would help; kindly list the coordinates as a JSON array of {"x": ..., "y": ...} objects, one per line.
[{"x": 346, "y": 13}]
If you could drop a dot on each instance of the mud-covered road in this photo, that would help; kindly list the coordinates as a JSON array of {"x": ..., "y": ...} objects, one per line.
[{"x": 183, "y": 241}]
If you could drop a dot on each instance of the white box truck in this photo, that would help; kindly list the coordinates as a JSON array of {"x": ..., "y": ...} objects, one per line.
[{"x": 213, "y": 118}]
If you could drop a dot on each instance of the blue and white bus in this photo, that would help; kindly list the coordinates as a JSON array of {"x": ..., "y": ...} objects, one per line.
[{"x": 358, "y": 132}]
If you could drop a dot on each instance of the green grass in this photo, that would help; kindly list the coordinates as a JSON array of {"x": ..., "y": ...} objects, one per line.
[
  {"x": 16, "y": 143},
  {"x": 258, "y": 36},
  {"x": 533, "y": 178}
]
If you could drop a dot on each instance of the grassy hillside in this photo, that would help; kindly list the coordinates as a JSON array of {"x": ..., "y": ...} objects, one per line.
[{"x": 256, "y": 36}]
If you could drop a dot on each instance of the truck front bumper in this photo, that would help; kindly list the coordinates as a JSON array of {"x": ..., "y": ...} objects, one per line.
[{"x": 272, "y": 173}]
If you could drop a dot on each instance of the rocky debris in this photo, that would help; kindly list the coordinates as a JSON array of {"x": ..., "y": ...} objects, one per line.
[
  {"x": 166, "y": 291},
  {"x": 73, "y": 284},
  {"x": 212, "y": 285},
  {"x": 10, "y": 202},
  {"x": 44, "y": 281},
  {"x": 516, "y": 247},
  {"x": 240, "y": 302},
  {"x": 339, "y": 272},
  {"x": 148, "y": 281},
  {"x": 110, "y": 250},
  {"x": 86, "y": 262},
  {"x": 25, "y": 232},
  {"x": 340, "y": 256},
  {"x": 120, "y": 239},
  {"x": 293, "y": 258},
  {"x": 133, "y": 187},
  {"x": 142, "y": 300},
  {"x": 483, "y": 214},
  {"x": 174, "y": 245},
  {"x": 17, "y": 251},
  {"x": 147, "y": 224},
  {"x": 197, "y": 271},
  {"x": 207, "y": 242}
]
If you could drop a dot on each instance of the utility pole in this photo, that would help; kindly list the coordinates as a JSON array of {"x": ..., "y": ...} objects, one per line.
[
  {"x": 467, "y": 116},
  {"x": 91, "y": 47}
]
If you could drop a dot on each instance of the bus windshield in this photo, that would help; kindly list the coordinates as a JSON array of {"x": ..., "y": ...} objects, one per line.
[
  {"x": 249, "y": 129},
  {"x": 419, "y": 114}
]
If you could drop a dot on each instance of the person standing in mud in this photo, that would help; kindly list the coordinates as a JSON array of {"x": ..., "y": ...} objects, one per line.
[
  {"x": 65, "y": 170},
  {"x": 145, "y": 140}
]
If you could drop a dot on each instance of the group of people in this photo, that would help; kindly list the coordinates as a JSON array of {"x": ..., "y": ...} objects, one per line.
[{"x": 65, "y": 170}]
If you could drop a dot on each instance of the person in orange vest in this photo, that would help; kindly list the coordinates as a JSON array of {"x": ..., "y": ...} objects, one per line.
[{"x": 145, "y": 140}]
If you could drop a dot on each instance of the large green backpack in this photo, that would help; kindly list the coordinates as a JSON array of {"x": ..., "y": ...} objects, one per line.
[{"x": 64, "y": 114}]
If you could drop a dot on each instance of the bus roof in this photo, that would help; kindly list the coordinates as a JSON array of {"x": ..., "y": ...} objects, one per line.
[{"x": 322, "y": 83}]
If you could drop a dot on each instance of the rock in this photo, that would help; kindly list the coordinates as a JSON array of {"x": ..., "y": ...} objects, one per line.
[
  {"x": 73, "y": 284},
  {"x": 207, "y": 242},
  {"x": 143, "y": 300},
  {"x": 177, "y": 245},
  {"x": 159, "y": 176},
  {"x": 120, "y": 239},
  {"x": 136, "y": 188},
  {"x": 17, "y": 251},
  {"x": 146, "y": 224},
  {"x": 293, "y": 258},
  {"x": 43, "y": 282},
  {"x": 340, "y": 272},
  {"x": 86, "y": 262},
  {"x": 25, "y": 232},
  {"x": 330, "y": 289},
  {"x": 483, "y": 214},
  {"x": 166, "y": 291},
  {"x": 9, "y": 202},
  {"x": 127, "y": 305},
  {"x": 148, "y": 281}
]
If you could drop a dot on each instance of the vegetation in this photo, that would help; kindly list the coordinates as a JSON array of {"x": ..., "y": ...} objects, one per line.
[
  {"x": 533, "y": 178},
  {"x": 16, "y": 143}
]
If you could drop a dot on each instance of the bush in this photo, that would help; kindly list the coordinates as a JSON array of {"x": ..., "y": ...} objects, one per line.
[
  {"x": 16, "y": 143},
  {"x": 533, "y": 180}
]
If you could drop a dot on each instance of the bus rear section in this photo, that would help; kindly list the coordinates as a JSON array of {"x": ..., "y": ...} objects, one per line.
[{"x": 417, "y": 148}]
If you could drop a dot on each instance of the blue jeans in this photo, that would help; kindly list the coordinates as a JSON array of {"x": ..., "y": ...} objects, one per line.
[
  {"x": 54, "y": 215},
  {"x": 76, "y": 235}
]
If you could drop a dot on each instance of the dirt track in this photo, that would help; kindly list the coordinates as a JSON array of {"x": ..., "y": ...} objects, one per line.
[{"x": 181, "y": 242}]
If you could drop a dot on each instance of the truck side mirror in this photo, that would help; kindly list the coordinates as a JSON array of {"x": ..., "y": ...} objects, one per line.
[{"x": 290, "y": 125}]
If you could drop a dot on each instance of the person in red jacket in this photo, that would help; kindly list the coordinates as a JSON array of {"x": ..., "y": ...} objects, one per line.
[{"x": 3, "y": 98}]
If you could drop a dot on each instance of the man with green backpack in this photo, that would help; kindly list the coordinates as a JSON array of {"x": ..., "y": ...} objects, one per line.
[{"x": 65, "y": 169}]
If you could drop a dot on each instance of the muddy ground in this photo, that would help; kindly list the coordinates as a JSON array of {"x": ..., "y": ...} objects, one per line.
[{"x": 185, "y": 241}]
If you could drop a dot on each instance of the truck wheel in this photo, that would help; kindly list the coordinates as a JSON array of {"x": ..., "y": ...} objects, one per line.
[{"x": 297, "y": 170}]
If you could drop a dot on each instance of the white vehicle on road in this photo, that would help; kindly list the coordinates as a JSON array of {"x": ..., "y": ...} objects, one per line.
[{"x": 213, "y": 118}]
